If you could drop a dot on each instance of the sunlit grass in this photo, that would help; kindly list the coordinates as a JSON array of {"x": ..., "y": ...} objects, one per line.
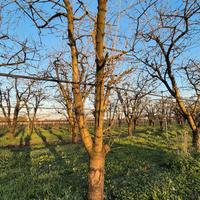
[{"x": 148, "y": 165}]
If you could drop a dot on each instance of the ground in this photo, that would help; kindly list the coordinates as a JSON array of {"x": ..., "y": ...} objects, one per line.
[{"x": 149, "y": 165}]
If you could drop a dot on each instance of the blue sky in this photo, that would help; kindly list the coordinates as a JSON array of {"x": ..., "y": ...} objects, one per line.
[{"x": 25, "y": 29}]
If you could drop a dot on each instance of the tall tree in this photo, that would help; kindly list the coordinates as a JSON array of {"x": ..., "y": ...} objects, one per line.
[{"x": 93, "y": 27}]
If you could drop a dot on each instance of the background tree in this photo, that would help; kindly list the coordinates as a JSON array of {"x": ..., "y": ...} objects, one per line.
[
  {"x": 10, "y": 112},
  {"x": 133, "y": 102},
  {"x": 35, "y": 95},
  {"x": 166, "y": 33}
]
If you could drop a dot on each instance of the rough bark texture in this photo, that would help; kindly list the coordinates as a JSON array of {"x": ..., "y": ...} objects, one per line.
[{"x": 96, "y": 177}]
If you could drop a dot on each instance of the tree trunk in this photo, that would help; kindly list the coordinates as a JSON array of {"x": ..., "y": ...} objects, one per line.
[
  {"x": 119, "y": 122},
  {"x": 13, "y": 128},
  {"x": 31, "y": 128},
  {"x": 74, "y": 134},
  {"x": 96, "y": 177},
  {"x": 134, "y": 124},
  {"x": 196, "y": 139},
  {"x": 130, "y": 128},
  {"x": 161, "y": 125}
]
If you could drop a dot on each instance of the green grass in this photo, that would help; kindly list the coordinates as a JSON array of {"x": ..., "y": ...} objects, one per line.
[
  {"x": 149, "y": 165},
  {"x": 52, "y": 134}
]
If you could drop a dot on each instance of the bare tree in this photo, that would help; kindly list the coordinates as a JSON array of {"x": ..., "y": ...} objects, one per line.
[
  {"x": 192, "y": 70},
  {"x": 151, "y": 113},
  {"x": 10, "y": 112},
  {"x": 133, "y": 103},
  {"x": 103, "y": 66},
  {"x": 5, "y": 103},
  {"x": 111, "y": 113},
  {"x": 34, "y": 97},
  {"x": 166, "y": 32}
]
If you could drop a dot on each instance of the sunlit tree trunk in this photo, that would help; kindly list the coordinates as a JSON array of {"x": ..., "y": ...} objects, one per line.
[
  {"x": 96, "y": 150},
  {"x": 190, "y": 119},
  {"x": 74, "y": 134},
  {"x": 15, "y": 119},
  {"x": 130, "y": 128},
  {"x": 96, "y": 176}
]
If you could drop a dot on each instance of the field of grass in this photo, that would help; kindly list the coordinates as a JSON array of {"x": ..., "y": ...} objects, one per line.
[{"x": 148, "y": 165}]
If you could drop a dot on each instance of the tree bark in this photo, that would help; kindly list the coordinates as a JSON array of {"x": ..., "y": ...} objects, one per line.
[
  {"x": 196, "y": 139},
  {"x": 74, "y": 134},
  {"x": 96, "y": 177},
  {"x": 13, "y": 128},
  {"x": 130, "y": 129}
]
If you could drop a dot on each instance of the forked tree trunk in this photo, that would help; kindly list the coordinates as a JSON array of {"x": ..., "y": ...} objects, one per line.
[
  {"x": 96, "y": 177},
  {"x": 196, "y": 139},
  {"x": 96, "y": 160}
]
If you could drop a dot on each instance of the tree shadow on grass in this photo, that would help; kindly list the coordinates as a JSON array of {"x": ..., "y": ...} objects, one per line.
[
  {"x": 51, "y": 148},
  {"x": 67, "y": 170},
  {"x": 19, "y": 131},
  {"x": 58, "y": 136},
  {"x": 23, "y": 139}
]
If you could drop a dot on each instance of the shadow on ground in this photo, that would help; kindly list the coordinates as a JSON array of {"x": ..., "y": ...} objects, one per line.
[{"x": 133, "y": 171}]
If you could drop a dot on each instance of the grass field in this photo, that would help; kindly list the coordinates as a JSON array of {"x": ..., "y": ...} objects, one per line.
[{"x": 149, "y": 165}]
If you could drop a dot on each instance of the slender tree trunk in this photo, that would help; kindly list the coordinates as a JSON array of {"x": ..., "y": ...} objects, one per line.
[
  {"x": 96, "y": 177},
  {"x": 134, "y": 124},
  {"x": 196, "y": 139},
  {"x": 161, "y": 125},
  {"x": 31, "y": 125},
  {"x": 74, "y": 134},
  {"x": 15, "y": 119},
  {"x": 130, "y": 128},
  {"x": 13, "y": 127},
  {"x": 9, "y": 122}
]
